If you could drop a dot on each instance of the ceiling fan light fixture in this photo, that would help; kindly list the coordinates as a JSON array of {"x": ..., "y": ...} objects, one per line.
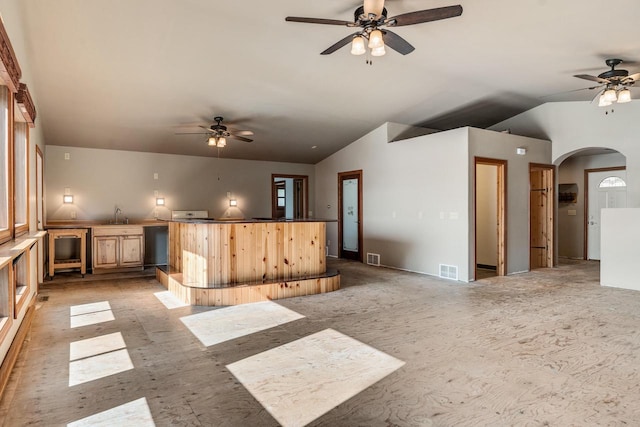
[
  {"x": 373, "y": 7},
  {"x": 378, "y": 51},
  {"x": 602, "y": 101},
  {"x": 375, "y": 39},
  {"x": 357, "y": 46},
  {"x": 624, "y": 96},
  {"x": 212, "y": 141},
  {"x": 610, "y": 95},
  {"x": 222, "y": 142}
]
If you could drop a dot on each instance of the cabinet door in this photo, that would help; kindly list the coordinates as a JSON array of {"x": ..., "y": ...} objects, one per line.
[
  {"x": 105, "y": 251},
  {"x": 131, "y": 251}
]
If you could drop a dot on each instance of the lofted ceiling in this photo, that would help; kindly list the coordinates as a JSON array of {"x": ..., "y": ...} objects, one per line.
[{"x": 128, "y": 75}]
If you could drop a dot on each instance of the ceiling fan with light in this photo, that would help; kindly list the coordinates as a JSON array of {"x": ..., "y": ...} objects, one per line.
[
  {"x": 371, "y": 17},
  {"x": 218, "y": 133},
  {"x": 614, "y": 83}
]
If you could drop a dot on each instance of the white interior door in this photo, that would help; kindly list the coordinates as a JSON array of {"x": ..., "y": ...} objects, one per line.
[{"x": 607, "y": 189}]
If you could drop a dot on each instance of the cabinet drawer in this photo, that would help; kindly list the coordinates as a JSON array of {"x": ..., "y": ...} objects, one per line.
[{"x": 117, "y": 230}]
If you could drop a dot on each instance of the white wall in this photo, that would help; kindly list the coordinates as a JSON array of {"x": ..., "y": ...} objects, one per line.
[
  {"x": 415, "y": 198},
  {"x": 619, "y": 248},
  {"x": 576, "y": 125},
  {"x": 487, "y": 214},
  {"x": 101, "y": 179},
  {"x": 497, "y": 145},
  {"x": 418, "y": 196}
]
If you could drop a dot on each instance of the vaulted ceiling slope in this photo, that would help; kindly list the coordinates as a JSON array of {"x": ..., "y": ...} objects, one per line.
[{"x": 128, "y": 75}]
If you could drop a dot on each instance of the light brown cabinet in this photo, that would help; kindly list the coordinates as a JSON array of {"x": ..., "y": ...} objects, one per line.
[{"x": 117, "y": 247}]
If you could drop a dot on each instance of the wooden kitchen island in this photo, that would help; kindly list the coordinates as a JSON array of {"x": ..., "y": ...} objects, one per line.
[{"x": 213, "y": 262}]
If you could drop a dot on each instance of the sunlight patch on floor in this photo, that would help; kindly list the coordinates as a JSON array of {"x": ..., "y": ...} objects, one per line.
[
  {"x": 95, "y": 346},
  {"x": 135, "y": 413},
  {"x": 304, "y": 379},
  {"x": 216, "y": 326},
  {"x": 169, "y": 300},
  {"x": 90, "y": 314},
  {"x": 100, "y": 366}
]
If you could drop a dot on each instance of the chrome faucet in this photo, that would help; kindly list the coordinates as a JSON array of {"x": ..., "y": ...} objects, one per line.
[{"x": 118, "y": 211}]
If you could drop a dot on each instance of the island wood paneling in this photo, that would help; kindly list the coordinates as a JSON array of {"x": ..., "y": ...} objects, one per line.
[
  {"x": 246, "y": 293},
  {"x": 217, "y": 263},
  {"x": 225, "y": 253}
]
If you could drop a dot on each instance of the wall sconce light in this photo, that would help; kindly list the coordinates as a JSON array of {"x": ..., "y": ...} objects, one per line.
[
  {"x": 67, "y": 198},
  {"x": 159, "y": 201},
  {"x": 233, "y": 202},
  {"x": 521, "y": 151}
]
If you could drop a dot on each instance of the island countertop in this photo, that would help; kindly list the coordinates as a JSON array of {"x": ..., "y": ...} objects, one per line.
[{"x": 247, "y": 220}]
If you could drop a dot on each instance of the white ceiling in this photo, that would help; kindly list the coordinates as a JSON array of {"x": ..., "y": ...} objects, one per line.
[{"x": 128, "y": 75}]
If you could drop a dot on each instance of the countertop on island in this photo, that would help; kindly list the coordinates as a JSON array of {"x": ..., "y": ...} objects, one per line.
[{"x": 247, "y": 220}]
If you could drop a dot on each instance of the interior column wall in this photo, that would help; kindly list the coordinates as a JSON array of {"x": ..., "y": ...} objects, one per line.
[{"x": 498, "y": 145}]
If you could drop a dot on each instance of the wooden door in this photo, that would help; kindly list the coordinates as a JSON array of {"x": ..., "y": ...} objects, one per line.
[
  {"x": 296, "y": 202},
  {"x": 280, "y": 199},
  {"x": 131, "y": 251},
  {"x": 541, "y": 208},
  {"x": 105, "y": 253},
  {"x": 350, "y": 215}
]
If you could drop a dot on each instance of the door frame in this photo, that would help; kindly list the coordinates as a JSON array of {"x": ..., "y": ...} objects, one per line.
[
  {"x": 341, "y": 176},
  {"x": 501, "y": 267},
  {"x": 550, "y": 212},
  {"x": 586, "y": 203},
  {"x": 305, "y": 201}
]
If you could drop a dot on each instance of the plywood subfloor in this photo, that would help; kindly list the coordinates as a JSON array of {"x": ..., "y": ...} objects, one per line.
[{"x": 549, "y": 347}]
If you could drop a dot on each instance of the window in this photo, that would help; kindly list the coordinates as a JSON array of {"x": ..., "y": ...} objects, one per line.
[
  {"x": 6, "y": 208},
  {"x": 612, "y": 181},
  {"x": 5, "y": 300},
  {"x": 282, "y": 199},
  {"x": 21, "y": 177}
]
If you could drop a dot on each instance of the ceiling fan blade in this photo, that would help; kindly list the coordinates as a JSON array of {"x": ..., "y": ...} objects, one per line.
[
  {"x": 570, "y": 91},
  {"x": 592, "y": 78},
  {"x": 318, "y": 21},
  {"x": 192, "y": 133},
  {"x": 421, "y": 16},
  {"x": 240, "y": 138},
  {"x": 240, "y": 132},
  {"x": 635, "y": 77},
  {"x": 345, "y": 41},
  {"x": 396, "y": 42}
]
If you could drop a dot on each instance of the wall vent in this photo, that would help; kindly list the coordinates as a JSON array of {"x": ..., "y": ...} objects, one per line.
[
  {"x": 373, "y": 259},
  {"x": 449, "y": 272}
]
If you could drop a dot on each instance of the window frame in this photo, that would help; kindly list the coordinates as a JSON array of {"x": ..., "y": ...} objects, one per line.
[
  {"x": 21, "y": 228},
  {"x": 7, "y": 233}
]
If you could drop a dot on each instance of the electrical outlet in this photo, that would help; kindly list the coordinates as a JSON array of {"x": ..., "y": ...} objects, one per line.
[
  {"x": 67, "y": 156},
  {"x": 73, "y": 214},
  {"x": 155, "y": 175},
  {"x": 155, "y": 193},
  {"x": 155, "y": 213}
]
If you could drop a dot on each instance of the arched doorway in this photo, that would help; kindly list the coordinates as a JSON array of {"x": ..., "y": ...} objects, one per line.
[{"x": 575, "y": 172}]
